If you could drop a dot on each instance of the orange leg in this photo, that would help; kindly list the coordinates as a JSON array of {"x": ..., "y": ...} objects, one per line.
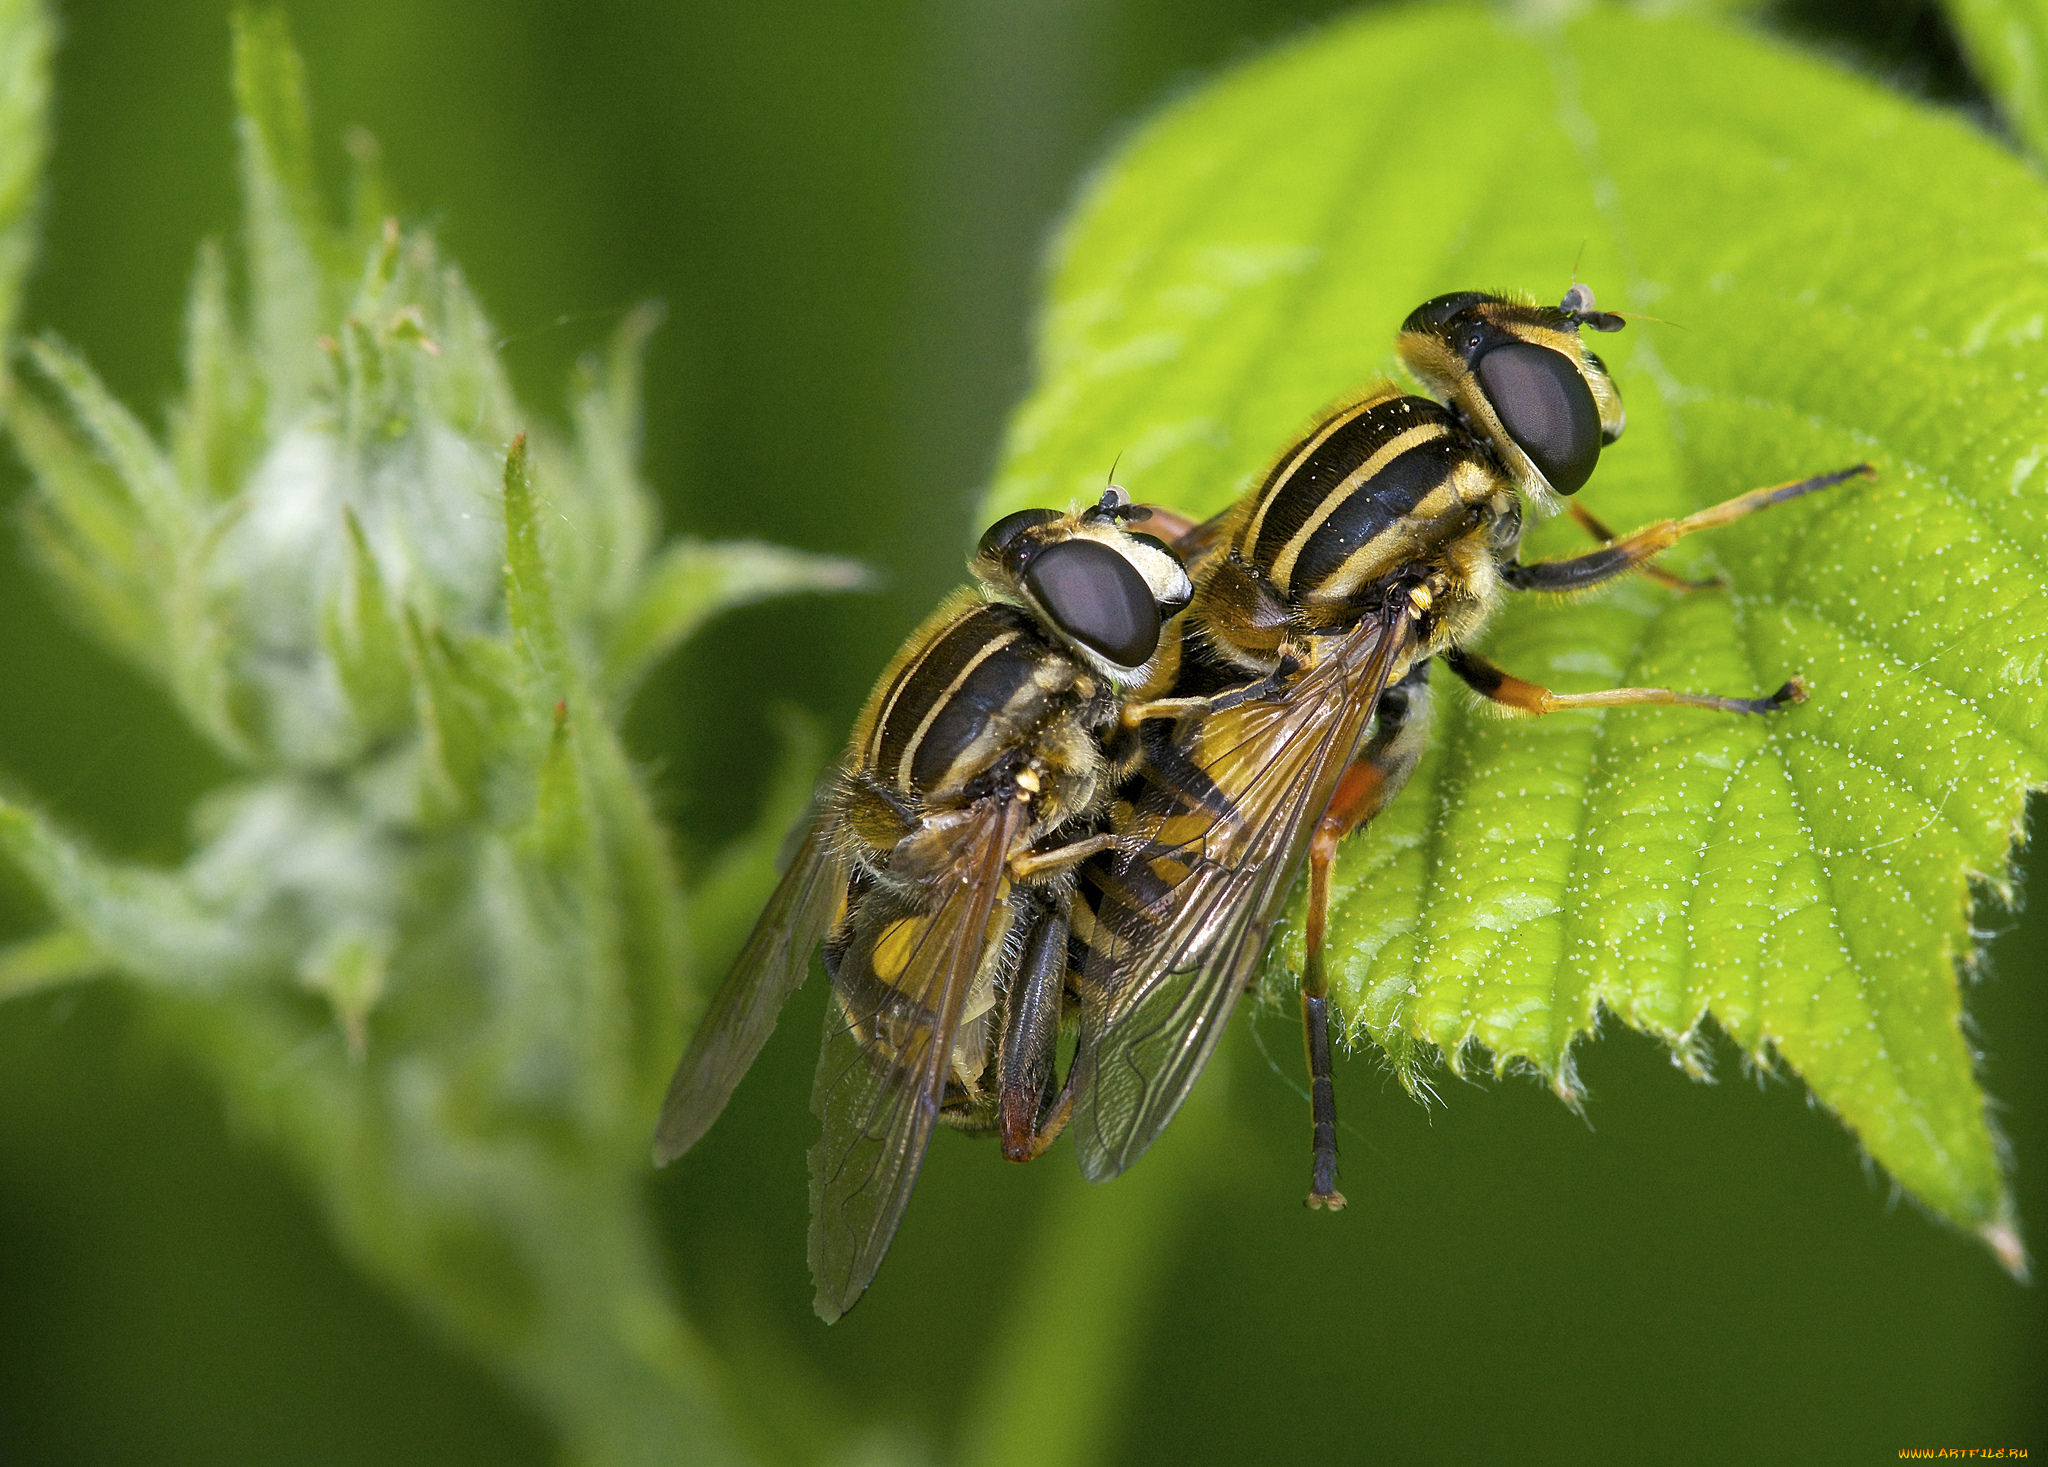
[
  {"x": 1372, "y": 779},
  {"x": 1593, "y": 525},
  {"x": 1631, "y": 551},
  {"x": 1504, "y": 688}
]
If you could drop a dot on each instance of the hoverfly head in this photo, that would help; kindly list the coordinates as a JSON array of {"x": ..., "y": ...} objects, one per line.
[
  {"x": 1104, "y": 590},
  {"x": 1521, "y": 378}
]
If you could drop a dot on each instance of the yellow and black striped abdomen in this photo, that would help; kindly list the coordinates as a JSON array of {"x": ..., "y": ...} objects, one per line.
[
  {"x": 1336, "y": 508},
  {"x": 981, "y": 672}
]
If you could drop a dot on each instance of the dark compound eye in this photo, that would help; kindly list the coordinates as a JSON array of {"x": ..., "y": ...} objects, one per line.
[
  {"x": 998, "y": 537},
  {"x": 1096, "y": 597},
  {"x": 1547, "y": 409},
  {"x": 1436, "y": 314}
]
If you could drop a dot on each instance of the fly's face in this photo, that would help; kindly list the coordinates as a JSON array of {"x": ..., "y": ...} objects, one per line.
[
  {"x": 1519, "y": 375},
  {"x": 1104, "y": 590}
]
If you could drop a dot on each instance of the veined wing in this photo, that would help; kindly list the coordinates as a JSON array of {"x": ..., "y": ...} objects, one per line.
[
  {"x": 1179, "y": 922},
  {"x": 898, "y": 994},
  {"x": 742, "y": 1013}
]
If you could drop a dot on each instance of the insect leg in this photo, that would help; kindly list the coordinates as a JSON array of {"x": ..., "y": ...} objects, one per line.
[
  {"x": 1625, "y": 554},
  {"x": 1038, "y": 863},
  {"x": 1593, "y": 525},
  {"x": 1504, "y": 688},
  {"x": 1268, "y": 687},
  {"x": 1373, "y": 779},
  {"x": 1031, "y": 1032}
]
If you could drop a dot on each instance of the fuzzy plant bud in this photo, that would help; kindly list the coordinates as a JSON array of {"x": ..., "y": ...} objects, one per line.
[{"x": 430, "y": 940}]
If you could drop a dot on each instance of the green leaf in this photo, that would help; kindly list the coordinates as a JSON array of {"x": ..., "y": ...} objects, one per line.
[
  {"x": 148, "y": 476},
  {"x": 2007, "y": 42},
  {"x": 1804, "y": 882},
  {"x": 88, "y": 534},
  {"x": 365, "y": 641},
  {"x": 146, "y": 923},
  {"x": 214, "y": 429},
  {"x": 529, "y": 601},
  {"x": 60, "y": 955},
  {"x": 561, "y": 826},
  {"x": 24, "y": 139},
  {"x": 284, "y": 216},
  {"x": 453, "y": 707},
  {"x": 351, "y": 966},
  {"x": 649, "y": 937},
  {"x": 691, "y": 581}
]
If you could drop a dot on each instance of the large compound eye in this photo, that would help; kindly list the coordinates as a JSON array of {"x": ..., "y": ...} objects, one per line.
[
  {"x": 1433, "y": 316},
  {"x": 999, "y": 536},
  {"x": 1547, "y": 409},
  {"x": 1096, "y": 597}
]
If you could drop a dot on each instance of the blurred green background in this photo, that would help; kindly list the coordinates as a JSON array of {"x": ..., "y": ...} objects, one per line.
[{"x": 844, "y": 206}]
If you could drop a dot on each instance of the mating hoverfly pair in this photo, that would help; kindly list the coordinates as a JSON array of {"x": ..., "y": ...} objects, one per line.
[{"x": 1082, "y": 793}]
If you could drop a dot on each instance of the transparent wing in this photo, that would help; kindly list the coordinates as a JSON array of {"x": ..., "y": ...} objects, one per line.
[
  {"x": 898, "y": 995},
  {"x": 1222, "y": 845},
  {"x": 742, "y": 1013}
]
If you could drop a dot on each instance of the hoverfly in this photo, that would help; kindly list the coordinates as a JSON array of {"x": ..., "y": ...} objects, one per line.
[
  {"x": 1384, "y": 537},
  {"x": 937, "y": 875}
]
